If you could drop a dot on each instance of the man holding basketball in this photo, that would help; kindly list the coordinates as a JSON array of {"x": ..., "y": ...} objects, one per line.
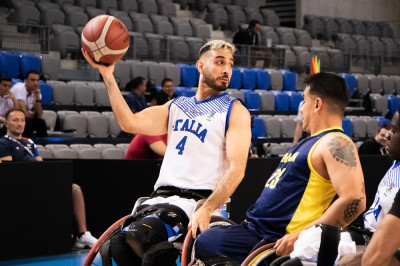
[{"x": 208, "y": 140}]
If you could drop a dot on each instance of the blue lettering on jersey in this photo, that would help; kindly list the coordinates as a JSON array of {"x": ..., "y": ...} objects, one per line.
[{"x": 188, "y": 125}]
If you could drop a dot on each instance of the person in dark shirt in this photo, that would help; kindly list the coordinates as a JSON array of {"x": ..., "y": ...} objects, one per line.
[
  {"x": 166, "y": 93},
  {"x": 136, "y": 99},
  {"x": 377, "y": 144},
  {"x": 248, "y": 36},
  {"x": 14, "y": 147}
]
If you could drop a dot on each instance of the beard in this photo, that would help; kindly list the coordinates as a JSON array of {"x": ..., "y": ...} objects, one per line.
[{"x": 211, "y": 82}]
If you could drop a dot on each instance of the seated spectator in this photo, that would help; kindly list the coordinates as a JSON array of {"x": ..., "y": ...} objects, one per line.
[
  {"x": 7, "y": 101},
  {"x": 377, "y": 144},
  {"x": 136, "y": 99},
  {"x": 144, "y": 147},
  {"x": 166, "y": 93},
  {"x": 248, "y": 36},
  {"x": 14, "y": 147},
  {"x": 29, "y": 99},
  {"x": 299, "y": 134}
]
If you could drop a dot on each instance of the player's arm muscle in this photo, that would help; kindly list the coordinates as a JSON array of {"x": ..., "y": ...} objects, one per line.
[{"x": 343, "y": 167}]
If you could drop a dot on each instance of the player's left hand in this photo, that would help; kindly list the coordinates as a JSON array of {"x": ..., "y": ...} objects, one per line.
[
  {"x": 285, "y": 245},
  {"x": 200, "y": 221}
]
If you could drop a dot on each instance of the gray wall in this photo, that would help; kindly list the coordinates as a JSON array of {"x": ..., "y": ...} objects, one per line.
[{"x": 374, "y": 10}]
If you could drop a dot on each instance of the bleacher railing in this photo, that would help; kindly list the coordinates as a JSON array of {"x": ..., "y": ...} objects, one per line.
[{"x": 25, "y": 38}]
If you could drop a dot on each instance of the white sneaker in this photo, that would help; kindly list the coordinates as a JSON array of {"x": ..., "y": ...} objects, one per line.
[{"x": 86, "y": 240}]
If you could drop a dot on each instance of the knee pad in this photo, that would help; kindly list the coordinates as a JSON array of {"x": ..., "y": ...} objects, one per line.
[
  {"x": 121, "y": 253},
  {"x": 145, "y": 233},
  {"x": 161, "y": 254}
]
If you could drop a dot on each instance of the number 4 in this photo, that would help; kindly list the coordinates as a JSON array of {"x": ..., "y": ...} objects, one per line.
[{"x": 181, "y": 145}]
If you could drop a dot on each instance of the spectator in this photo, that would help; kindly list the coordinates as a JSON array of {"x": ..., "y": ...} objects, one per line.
[
  {"x": 166, "y": 93},
  {"x": 7, "y": 100},
  {"x": 248, "y": 36},
  {"x": 14, "y": 147},
  {"x": 298, "y": 131},
  {"x": 29, "y": 99},
  {"x": 136, "y": 99},
  {"x": 377, "y": 144},
  {"x": 144, "y": 147}
]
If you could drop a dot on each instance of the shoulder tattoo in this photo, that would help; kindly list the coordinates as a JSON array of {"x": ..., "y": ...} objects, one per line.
[{"x": 342, "y": 151}]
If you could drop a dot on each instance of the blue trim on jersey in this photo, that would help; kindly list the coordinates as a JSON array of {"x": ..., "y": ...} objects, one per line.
[
  {"x": 228, "y": 115},
  {"x": 211, "y": 98}
]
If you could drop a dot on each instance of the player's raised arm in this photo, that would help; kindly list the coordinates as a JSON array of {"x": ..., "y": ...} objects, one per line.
[{"x": 151, "y": 121}]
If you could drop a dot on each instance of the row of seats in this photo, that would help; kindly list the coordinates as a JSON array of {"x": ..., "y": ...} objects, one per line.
[
  {"x": 368, "y": 45},
  {"x": 327, "y": 28},
  {"x": 83, "y": 151},
  {"x": 384, "y": 104},
  {"x": 377, "y": 84},
  {"x": 83, "y": 124},
  {"x": 231, "y": 16},
  {"x": 200, "y": 5},
  {"x": 282, "y": 126}
]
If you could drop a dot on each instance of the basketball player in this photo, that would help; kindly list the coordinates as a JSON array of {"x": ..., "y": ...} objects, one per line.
[
  {"x": 299, "y": 192},
  {"x": 208, "y": 140}
]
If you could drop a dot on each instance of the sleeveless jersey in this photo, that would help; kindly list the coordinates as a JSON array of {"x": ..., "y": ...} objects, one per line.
[
  {"x": 384, "y": 197},
  {"x": 196, "y": 150},
  {"x": 294, "y": 195}
]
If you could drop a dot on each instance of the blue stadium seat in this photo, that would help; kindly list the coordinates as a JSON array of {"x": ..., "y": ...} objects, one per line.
[
  {"x": 281, "y": 101},
  {"x": 248, "y": 78},
  {"x": 179, "y": 90},
  {"x": 393, "y": 103},
  {"x": 9, "y": 64},
  {"x": 47, "y": 93},
  {"x": 381, "y": 120},
  {"x": 347, "y": 127},
  {"x": 289, "y": 80},
  {"x": 236, "y": 79},
  {"x": 188, "y": 93},
  {"x": 252, "y": 100},
  {"x": 14, "y": 81},
  {"x": 350, "y": 81},
  {"x": 189, "y": 75},
  {"x": 257, "y": 127},
  {"x": 29, "y": 62},
  {"x": 262, "y": 79},
  {"x": 294, "y": 100}
]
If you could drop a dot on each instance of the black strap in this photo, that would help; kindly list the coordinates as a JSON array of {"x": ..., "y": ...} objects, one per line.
[
  {"x": 328, "y": 249},
  {"x": 184, "y": 193}
]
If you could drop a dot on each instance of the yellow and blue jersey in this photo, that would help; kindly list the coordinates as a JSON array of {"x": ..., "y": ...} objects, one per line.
[{"x": 294, "y": 195}]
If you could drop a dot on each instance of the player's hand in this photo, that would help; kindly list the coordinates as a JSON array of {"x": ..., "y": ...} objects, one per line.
[
  {"x": 285, "y": 245},
  {"x": 103, "y": 69},
  {"x": 200, "y": 221}
]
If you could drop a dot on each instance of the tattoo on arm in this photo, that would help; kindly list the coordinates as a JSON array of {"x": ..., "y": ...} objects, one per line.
[
  {"x": 352, "y": 210},
  {"x": 342, "y": 151}
]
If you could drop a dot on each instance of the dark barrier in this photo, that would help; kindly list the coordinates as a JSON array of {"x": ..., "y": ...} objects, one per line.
[
  {"x": 35, "y": 208},
  {"x": 35, "y": 201}
]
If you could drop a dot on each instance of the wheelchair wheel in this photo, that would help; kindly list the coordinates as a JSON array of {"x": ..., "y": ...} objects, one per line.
[
  {"x": 187, "y": 255},
  {"x": 110, "y": 232},
  {"x": 264, "y": 254}
]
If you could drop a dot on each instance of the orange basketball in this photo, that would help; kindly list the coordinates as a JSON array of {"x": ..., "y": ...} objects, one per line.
[{"x": 105, "y": 38}]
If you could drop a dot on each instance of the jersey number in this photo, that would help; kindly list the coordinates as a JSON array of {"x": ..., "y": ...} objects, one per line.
[
  {"x": 274, "y": 179},
  {"x": 181, "y": 145}
]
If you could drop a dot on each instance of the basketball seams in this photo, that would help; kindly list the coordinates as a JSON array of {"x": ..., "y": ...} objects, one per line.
[{"x": 99, "y": 48}]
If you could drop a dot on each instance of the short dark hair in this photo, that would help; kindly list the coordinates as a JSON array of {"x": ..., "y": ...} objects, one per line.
[
  {"x": 5, "y": 78},
  {"x": 12, "y": 110},
  {"x": 331, "y": 88},
  {"x": 134, "y": 83},
  {"x": 32, "y": 71},
  {"x": 253, "y": 23},
  {"x": 385, "y": 126},
  {"x": 165, "y": 81}
]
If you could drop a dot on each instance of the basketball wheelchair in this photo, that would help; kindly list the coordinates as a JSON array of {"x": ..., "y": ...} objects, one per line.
[{"x": 183, "y": 244}]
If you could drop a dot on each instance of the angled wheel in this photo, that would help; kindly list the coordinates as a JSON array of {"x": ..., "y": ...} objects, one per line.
[
  {"x": 187, "y": 255},
  {"x": 263, "y": 254},
  {"x": 111, "y": 231}
]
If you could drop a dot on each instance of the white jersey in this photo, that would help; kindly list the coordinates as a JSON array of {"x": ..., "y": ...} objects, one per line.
[
  {"x": 384, "y": 197},
  {"x": 196, "y": 151}
]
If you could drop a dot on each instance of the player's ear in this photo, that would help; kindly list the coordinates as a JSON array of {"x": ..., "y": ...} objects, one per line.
[
  {"x": 318, "y": 104},
  {"x": 200, "y": 65}
]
